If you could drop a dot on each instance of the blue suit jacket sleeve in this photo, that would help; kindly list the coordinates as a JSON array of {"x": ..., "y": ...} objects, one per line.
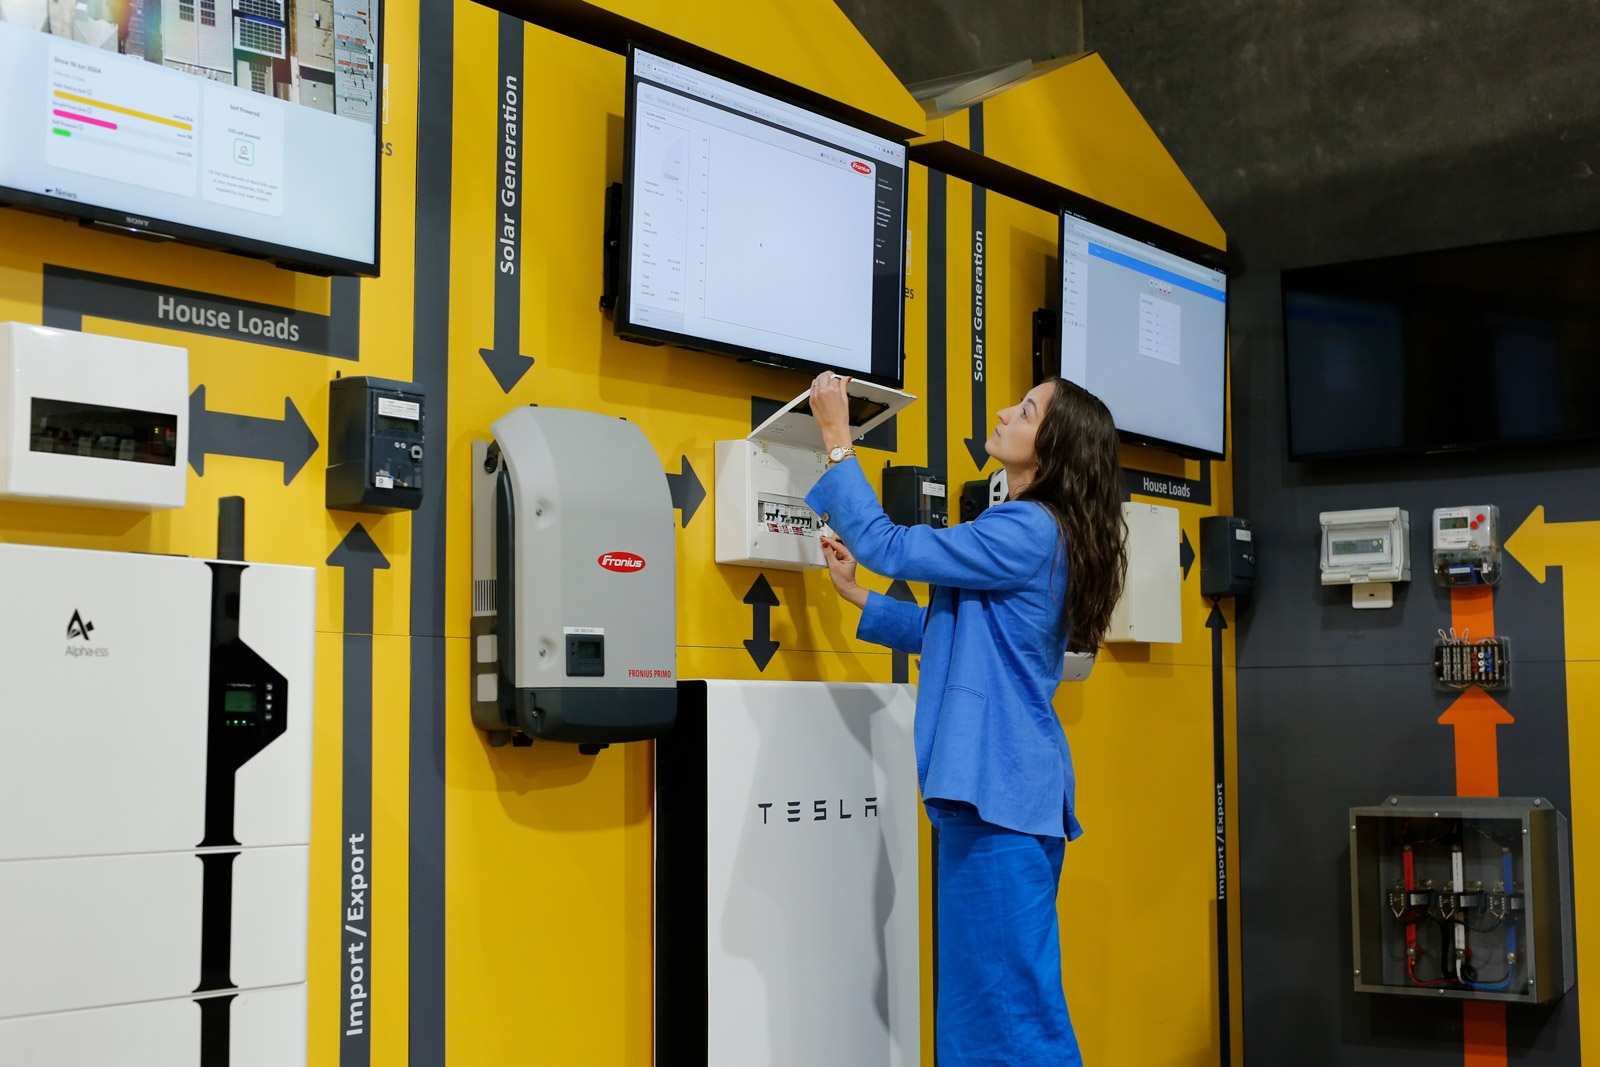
[
  {"x": 889, "y": 622},
  {"x": 1003, "y": 548}
]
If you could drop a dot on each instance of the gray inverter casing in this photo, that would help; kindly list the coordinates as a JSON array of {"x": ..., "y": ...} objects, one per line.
[{"x": 574, "y": 566}]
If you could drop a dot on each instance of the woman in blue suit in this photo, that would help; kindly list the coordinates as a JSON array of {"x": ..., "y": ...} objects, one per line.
[{"x": 1027, "y": 580}]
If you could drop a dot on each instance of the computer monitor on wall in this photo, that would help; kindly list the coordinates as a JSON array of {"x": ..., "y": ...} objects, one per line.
[
  {"x": 757, "y": 228},
  {"x": 249, "y": 125},
  {"x": 1144, "y": 327}
]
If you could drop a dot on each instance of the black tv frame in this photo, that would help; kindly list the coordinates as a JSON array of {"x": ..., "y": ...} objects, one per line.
[
  {"x": 1173, "y": 243},
  {"x": 795, "y": 97},
  {"x": 112, "y": 221}
]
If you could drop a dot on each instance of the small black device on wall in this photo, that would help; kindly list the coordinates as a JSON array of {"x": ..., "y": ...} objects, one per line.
[
  {"x": 375, "y": 444},
  {"x": 1227, "y": 556},
  {"x": 916, "y": 496}
]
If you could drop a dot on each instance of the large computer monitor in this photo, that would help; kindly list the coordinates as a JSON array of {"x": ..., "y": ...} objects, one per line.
[
  {"x": 1144, "y": 328},
  {"x": 250, "y": 125},
  {"x": 757, "y": 228}
]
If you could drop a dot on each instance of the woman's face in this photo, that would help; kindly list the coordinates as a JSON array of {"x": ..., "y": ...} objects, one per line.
[{"x": 1013, "y": 437}]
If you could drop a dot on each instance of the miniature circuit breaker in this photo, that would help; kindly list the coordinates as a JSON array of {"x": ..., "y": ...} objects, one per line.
[{"x": 1465, "y": 897}]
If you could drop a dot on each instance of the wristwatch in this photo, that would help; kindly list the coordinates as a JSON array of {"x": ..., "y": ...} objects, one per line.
[{"x": 837, "y": 453}]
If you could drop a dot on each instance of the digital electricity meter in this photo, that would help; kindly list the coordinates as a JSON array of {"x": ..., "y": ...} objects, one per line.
[
  {"x": 1466, "y": 545},
  {"x": 1369, "y": 550}
]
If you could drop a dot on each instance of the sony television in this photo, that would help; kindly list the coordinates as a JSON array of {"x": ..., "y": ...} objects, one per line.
[
  {"x": 247, "y": 125},
  {"x": 1144, "y": 326},
  {"x": 758, "y": 228},
  {"x": 1452, "y": 349}
]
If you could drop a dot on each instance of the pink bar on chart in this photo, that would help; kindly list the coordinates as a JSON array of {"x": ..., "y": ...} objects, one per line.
[{"x": 86, "y": 118}]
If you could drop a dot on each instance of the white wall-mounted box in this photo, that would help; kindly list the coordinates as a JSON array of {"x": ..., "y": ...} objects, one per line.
[
  {"x": 1150, "y": 608},
  {"x": 91, "y": 420},
  {"x": 762, "y": 480}
]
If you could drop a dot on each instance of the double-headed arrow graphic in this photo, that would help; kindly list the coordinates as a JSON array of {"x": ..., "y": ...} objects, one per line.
[
  {"x": 288, "y": 441},
  {"x": 762, "y": 600}
]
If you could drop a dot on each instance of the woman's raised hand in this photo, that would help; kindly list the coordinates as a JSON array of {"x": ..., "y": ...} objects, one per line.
[
  {"x": 830, "y": 406},
  {"x": 842, "y": 569}
]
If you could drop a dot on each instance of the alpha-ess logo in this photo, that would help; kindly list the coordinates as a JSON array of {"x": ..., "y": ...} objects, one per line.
[
  {"x": 861, "y": 168},
  {"x": 79, "y": 629},
  {"x": 622, "y": 562}
]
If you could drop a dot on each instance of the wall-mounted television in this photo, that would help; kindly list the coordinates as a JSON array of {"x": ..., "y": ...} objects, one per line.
[
  {"x": 758, "y": 228},
  {"x": 1443, "y": 350},
  {"x": 1144, "y": 326},
  {"x": 248, "y": 125}
]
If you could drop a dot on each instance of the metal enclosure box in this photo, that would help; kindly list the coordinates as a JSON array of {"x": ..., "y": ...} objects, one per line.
[
  {"x": 1517, "y": 939},
  {"x": 1150, "y": 608},
  {"x": 915, "y": 496},
  {"x": 155, "y": 767},
  {"x": 92, "y": 420},
  {"x": 1227, "y": 556},
  {"x": 787, "y": 885},
  {"x": 375, "y": 444},
  {"x": 574, "y": 567},
  {"x": 761, "y": 481}
]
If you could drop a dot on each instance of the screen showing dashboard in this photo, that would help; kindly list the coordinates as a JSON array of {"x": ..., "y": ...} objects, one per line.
[
  {"x": 251, "y": 125},
  {"x": 758, "y": 228},
  {"x": 1145, "y": 330}
]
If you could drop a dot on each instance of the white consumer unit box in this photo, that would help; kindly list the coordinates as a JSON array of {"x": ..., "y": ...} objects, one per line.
[
  {"x": 787, "y": 887},
  {"x": 762, "y": 480},
  {"x": 1368, "y": 550},
  {"x": 91, "y": 420},
  {"x": 1150, "y": 608},
  {"x": 155, "y": 772}
]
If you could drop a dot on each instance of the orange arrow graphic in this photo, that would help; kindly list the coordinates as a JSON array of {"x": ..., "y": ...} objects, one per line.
[{"x": 1476, "y": 716}]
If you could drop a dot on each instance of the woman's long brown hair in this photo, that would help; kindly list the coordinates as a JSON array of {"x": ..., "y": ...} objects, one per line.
[{"x": 1080, "y": 481}]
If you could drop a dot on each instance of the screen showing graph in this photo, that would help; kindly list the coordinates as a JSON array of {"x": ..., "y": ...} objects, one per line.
[
  {"x": 251, "y": 124},
  {"x": 1145, "y": 330},
  {"x": 759, "y": 228}
]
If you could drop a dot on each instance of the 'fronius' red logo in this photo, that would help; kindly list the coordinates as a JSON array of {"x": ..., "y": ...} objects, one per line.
[
  {"x": 622, "y": 562},
  {"x": 861, "y": 168}
]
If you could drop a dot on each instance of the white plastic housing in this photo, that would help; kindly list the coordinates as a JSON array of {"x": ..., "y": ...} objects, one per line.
[
  {"x": 41, "y": 363},
  {"x": 1150, "y": 608},
  {"x": 762, "y": 480}
]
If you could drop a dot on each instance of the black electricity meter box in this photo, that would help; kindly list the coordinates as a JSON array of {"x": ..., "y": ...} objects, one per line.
[
  {"x": 915, "y": 496},
  {"x": 1227, "y": 556},
  {"x": 375, "y": 444}
]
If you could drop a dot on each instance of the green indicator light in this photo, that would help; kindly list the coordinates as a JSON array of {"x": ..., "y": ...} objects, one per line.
[{"x": 64, "y": 133}]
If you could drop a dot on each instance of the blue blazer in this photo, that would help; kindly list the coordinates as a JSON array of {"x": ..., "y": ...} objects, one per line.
[{"x": 991, "y": 642}]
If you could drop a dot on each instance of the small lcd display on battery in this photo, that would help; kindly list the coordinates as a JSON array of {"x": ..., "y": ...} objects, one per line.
[{"x": 239, "y": 700}]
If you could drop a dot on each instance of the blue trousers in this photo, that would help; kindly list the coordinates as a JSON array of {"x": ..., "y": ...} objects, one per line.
[{"x": 1000, "y": 999}]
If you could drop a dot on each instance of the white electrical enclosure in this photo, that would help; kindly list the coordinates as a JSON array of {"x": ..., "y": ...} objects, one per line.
[
  {"x": 762, "y": 480},
  {"x": 92, "y": 420},
  {"x": 787, "y": 884},
  {"x": 155, "y": 864},
  {"x": 1369, "y": 550},
  {"x": 1466, "y": 545},
  {"x": 1150, "y": 608}
]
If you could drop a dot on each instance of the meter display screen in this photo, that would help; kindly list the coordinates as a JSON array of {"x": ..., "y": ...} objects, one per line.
[
  {"x": 1458, "y": 522},
  {"x": 1362, "y": 547},
  {"x": 239, "y": 700}
]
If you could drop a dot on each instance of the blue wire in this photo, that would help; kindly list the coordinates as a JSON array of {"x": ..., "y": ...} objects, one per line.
[{"x": 1511, "y": 931}]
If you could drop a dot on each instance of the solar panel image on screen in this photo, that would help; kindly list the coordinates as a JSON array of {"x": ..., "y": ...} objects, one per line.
[
  {"x": 246, "y": 124},
  {"x": 1145, "y": 330},
  {"x": 757, "y": 227}
]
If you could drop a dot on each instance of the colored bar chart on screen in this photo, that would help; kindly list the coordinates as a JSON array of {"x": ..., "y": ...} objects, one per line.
[{"x": 121, "y": 119}]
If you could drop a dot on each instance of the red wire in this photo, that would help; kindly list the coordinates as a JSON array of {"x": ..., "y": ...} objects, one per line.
[
  {"x": 1411, "y": 931},
  {"x": 1412, "y": 974}
]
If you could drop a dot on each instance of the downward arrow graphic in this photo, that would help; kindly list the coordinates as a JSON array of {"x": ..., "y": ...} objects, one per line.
[
  {"x": 289, "y": 441},
  {"x": 762, "y": 600},
  {"x": 687, "y": 492}
]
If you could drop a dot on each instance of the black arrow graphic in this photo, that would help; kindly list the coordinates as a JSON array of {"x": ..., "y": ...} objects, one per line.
[
  {"x": 980, "y": 318},
  {"x": 1216, "y": 624},
  {"x": 900, "y": 669},
  {"x": 505, "y": 360},
  {"x": 687, "y": 492},
  {"x": 358, "y": 556},
  {"x": 762, "y": 600},
  {"x": 288, "y": 441},
  {"x": 1185, "y": 555}
]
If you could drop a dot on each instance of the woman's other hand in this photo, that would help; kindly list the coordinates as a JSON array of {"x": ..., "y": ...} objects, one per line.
[
  {"x": 830, "y": 406},
  {"x": 842, "y": 569}
]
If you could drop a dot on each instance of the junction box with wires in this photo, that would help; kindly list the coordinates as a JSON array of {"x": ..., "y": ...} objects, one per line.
[
  {"x": 1463, "y": 897},
  {"x": 1461, "y": 661}
]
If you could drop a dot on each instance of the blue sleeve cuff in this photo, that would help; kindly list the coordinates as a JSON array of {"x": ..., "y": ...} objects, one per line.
[{"x": 892, "y": 623}]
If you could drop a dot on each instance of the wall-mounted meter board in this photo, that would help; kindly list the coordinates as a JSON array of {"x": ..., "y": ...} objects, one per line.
[
  {"x": 1369, "y": 550},
  {"x": 1466, "y": 545},
  {"x": 762, "y": 480},
  {"x": 91, "y": 420}
]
